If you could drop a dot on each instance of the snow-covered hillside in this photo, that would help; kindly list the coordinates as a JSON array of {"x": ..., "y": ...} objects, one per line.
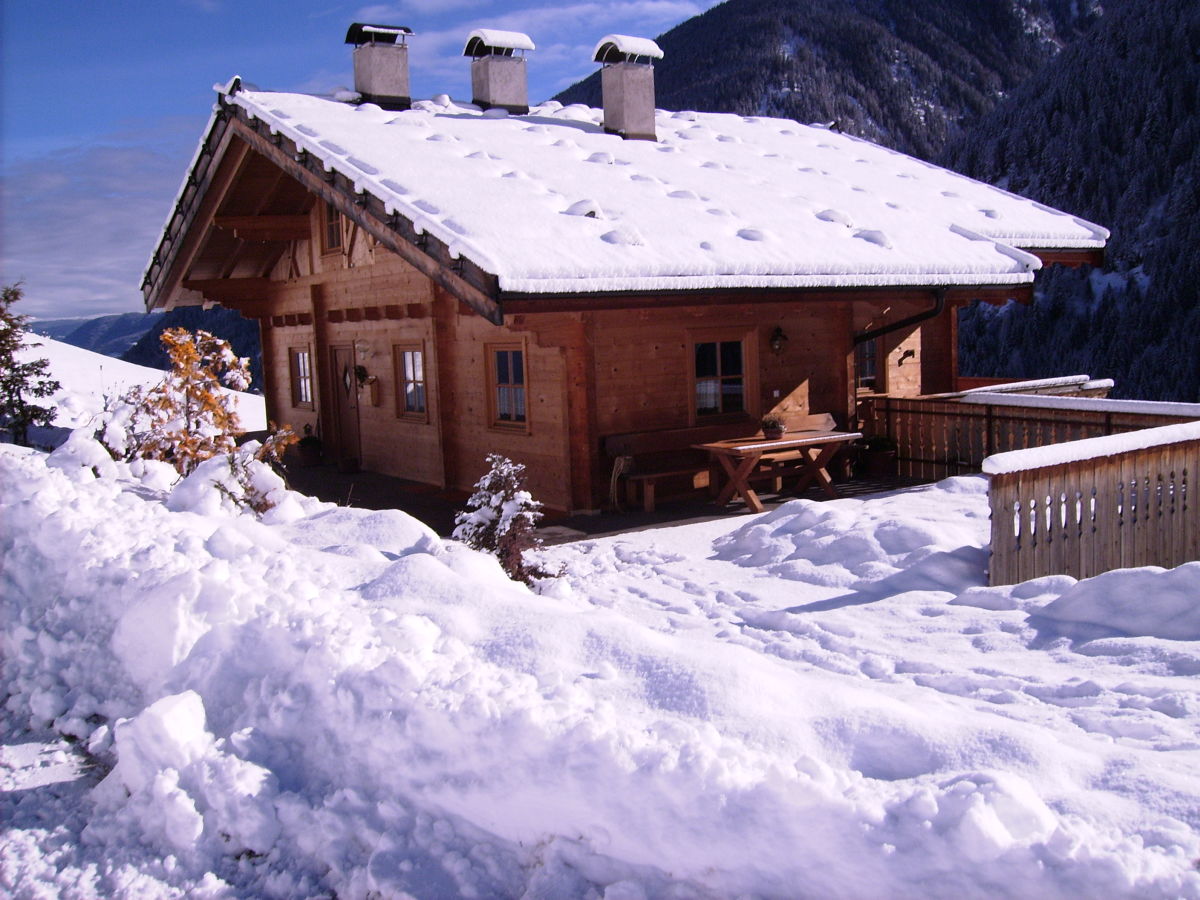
[
  {"x": 822, "y": 701},
  {"x": 89, "y": 378}
]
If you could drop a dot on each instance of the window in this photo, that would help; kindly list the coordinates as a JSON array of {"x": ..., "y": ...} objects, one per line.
[
  {"x": 507, "y": 382},
  {"x": 331, "y": 238},
  {"x": 866, "y": 367},
  {"x": 719, "y": 376},
  {"x": 411, "y": 402},
  {"x": 300, "y": 364}
]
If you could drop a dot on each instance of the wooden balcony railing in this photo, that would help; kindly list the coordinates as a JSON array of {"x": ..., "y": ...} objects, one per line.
[
  {"x": 941, "y": 436},
  {"x": 1085, "y": 508}
]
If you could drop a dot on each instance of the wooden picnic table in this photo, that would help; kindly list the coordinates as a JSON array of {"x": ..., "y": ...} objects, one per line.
[{"x": 740, "y": 458}]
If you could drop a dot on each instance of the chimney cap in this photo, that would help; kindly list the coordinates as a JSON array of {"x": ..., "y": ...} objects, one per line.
[
  {"x": 616, "y": 48},
  {"x": 361, "y": 33},
  {"x": 492, "y": 42}
]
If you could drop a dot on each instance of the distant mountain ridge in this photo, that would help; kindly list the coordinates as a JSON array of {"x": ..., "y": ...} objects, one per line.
[
  {"x": 135, "y": 337},
  {"x": 110, "y": 335},
  {"x": 908, "y": 74}
]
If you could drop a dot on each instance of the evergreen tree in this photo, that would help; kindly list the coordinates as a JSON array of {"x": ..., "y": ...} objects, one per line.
[
  {"x": 500, "y": 518},
  {"x": 21, "y": 382}
]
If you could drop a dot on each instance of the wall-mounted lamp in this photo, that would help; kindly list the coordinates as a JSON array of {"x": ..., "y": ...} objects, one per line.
[
  {"x": 777, "y": 341},
  {"x": 907, "y": 354}
]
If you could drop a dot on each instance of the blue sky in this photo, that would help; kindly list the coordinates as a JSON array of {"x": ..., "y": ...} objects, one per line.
[{"x": 103, "y": 104}]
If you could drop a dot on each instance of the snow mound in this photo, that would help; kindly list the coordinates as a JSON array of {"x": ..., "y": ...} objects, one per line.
[
  {"x": 341, "y": 703},
  {"x": 850, "y": 544},
  {"x": 1148, "y": 602}
]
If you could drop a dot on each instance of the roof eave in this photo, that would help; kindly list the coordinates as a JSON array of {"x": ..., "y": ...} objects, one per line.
[{"x": 183, "y": 231}]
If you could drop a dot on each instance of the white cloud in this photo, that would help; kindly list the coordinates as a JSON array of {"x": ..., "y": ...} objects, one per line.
[
  {"x": 79, "y": 224},
  {"x": 387, "y": 13}
]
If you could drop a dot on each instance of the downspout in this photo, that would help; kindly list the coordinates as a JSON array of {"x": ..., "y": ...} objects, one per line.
[{"x": 939, "y": 304}]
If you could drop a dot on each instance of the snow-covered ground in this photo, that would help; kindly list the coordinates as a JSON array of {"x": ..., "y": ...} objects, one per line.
[
  {"x": 821, "y": 701},
  {"x": 89, "y": 379}
]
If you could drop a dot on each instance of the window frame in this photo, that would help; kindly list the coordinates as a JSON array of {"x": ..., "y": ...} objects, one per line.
[
  {"x": 330, "y": 215},
  {"x": 402, "y": 381},
  {"x": 748, "y": 338},
  {"x": 494, "y": 386},
  {"x": 301, "y": 376},
  {"x": 879, "y": 357}
]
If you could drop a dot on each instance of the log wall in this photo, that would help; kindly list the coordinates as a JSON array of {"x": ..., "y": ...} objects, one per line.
[{"x": 590, "y": 372}]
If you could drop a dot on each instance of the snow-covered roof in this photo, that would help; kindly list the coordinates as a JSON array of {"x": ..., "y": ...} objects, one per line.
[{"x": 550, "y": 203}]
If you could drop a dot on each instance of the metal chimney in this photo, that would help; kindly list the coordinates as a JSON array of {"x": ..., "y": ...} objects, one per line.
[
  {"x": 498, "y": 77},
  {"x": 627, "y": 83},
  {"x": 381, "y": 64}
]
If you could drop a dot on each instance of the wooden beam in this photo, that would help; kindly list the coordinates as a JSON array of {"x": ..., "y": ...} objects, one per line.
[
  {"x": 519, "y": 304},
  {"x": 357, "y": 212},
  {"x": 187, "y": 238},
  {"x": 266, "y": 228},
  {"x": 221, "y": 290},
  {"x": 997, "y": 296},
  {"x": 1072, "y": 258}
]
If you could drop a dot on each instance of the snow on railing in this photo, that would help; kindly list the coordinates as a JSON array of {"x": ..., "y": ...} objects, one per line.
[{"x": 1101, "y": 404}]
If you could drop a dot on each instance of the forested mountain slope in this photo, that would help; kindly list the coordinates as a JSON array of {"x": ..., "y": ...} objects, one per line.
[
  {"x": 1111, "y": 131},
  {"x": 904, "y": 73},
  {"x": 227, "y": 324},
  {"x": 110, "y": 335}
]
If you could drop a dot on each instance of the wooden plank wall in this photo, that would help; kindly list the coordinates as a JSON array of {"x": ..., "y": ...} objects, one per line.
[
  {"x": 541, "y": 446},
  {"x": 350, "y": 299},
  {"x": 939, "y": 438},
  {"x": 1086, "y": 517},
  {"x": 642, "y": 366},
  {"x": 590, "y": 373}
]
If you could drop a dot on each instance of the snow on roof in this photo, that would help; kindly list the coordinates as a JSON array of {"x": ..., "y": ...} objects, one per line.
[
  {"x": 550, "y": 203},
  {"x": 482, "y": 38}
]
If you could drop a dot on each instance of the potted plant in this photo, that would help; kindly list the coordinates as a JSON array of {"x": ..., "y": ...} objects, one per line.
[
  {"x": 309, "y": 448},
  {"x": 877, "y": 455},
  {"x": 773, "y": 426}
]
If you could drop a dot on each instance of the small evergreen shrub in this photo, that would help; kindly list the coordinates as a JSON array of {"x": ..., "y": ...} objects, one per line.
[
  {"x": 21, "y": 382},
  {"x": 500, "y": 518}
]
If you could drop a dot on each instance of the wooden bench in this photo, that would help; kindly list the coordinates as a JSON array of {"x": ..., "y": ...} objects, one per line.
[{"x": 645, "y": 458}]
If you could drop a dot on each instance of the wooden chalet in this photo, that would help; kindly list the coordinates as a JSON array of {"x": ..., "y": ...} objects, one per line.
[{"x": 438, "y": 280}]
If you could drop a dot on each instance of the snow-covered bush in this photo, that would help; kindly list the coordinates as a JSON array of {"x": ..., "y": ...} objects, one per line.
[
  {"x": 186, "y": 418},
  {"x": 500, "y": 518}
]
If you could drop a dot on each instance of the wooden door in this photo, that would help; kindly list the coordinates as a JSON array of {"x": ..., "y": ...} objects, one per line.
[{"x": 345, "y": 402}]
